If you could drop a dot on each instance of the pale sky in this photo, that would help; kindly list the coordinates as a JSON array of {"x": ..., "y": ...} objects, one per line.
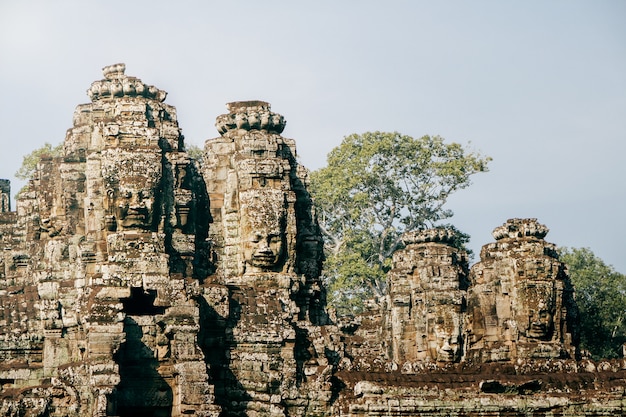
[{"x": 540, "y": 86}]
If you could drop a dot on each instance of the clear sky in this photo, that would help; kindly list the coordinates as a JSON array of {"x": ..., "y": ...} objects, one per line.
[{"x": 540, "y": 86}]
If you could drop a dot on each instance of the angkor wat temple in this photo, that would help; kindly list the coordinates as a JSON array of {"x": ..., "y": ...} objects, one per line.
[{"x": 136, "y": 282}]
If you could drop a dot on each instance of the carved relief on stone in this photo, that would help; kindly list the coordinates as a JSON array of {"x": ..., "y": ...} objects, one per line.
[
  {"x": 514, "y": 228},
  {"x": 116, "y": 84},
  {"x": 448, "y": 338},
  {"x": 441, "y": 235},
  {"x": 266, "y": 237},
  {"x": 263, "y": 234},
  {"x": 250, "y": 115},
  {"x": 250, "y": 159},
  {"x": 427, "y": 298},
  {"x": 536, "y": 309},
  {"x": 106, "y": 236},
  {"x": 520, "y": 302},
  {"x": 131, "y": 180}
]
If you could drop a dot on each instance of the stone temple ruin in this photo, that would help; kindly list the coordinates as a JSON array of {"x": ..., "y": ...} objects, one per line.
[{"x": 136, "y": 282}]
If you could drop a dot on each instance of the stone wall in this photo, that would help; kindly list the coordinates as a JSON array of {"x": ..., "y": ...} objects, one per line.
[
  {"x": 136, "y": 282},
  {"x": 5, "y": 196}
]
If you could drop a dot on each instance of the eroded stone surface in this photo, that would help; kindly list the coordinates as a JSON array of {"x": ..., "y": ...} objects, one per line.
[
  {"x": 269, "y": 249},
  {"x": 107, "y": 255},
  {"x": 5, "y": 196},
  {"x": 427, "y": 299},
  {"x": 520, "y": 302},
  {"x": 134, "y": 282}
]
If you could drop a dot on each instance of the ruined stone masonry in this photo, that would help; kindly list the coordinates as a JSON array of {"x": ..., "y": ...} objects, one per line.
[{"x": 136, "y": 281}]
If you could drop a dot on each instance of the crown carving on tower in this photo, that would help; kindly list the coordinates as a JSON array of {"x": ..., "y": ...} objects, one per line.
[
  {"x": 439, "y": 235},
  {"x": 517, "y": 228},
  {"x": 116, "y": 85},
  {"x": 250, "y": 115}
]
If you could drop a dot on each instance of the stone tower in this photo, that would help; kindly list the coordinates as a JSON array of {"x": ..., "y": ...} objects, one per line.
[
  {"x": 268, "y": 253},
  {"x": 427, "y": 290},
  {"x": 108, "y": 253},
  {"x": 520, "y": 301},
  {"x": 253, "y": 168}
]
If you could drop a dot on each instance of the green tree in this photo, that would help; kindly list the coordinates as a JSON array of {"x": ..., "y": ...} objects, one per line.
[
  {"x": 376, "y": 186},
  {"x": 30, "y": 161},
  {"x": 601, "y": 299},
  {"x": 195, "y": 152}
]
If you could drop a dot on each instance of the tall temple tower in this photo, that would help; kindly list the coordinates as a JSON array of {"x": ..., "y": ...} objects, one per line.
[
  {"x": 105, "y": 261},
  {"x": 268, "y": 250}
]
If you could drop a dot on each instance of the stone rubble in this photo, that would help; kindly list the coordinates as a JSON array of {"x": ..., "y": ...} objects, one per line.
[{"x": 136, "y": 281}]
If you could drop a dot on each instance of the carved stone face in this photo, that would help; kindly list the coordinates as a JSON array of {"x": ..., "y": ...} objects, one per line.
[
  {"x": 262, "y": 231},
  {"x": 541, "y": 321},
  {"x": 537, "y": 319},
  {"x": 134, "y": 206},
  {"x": 448, "y": 343},
  {"x": 131, "y": 183},
  {"x": 263, "y": 247}
]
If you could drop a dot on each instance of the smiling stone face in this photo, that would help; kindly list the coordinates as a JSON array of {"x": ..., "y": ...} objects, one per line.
[
  {"x": 427, "y": 298},
  {"x": 263, "y": 247},
  {"x": 448, "y": 338},
  {"x": 537, "y": 318},
  {"x": 263, "y": 220},
  {"x": 131, "y": 182},
  {"x": 134, "y": 205}
]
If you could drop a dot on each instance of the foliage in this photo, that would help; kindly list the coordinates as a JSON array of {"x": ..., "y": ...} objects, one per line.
[
  {"x": 376, "y": 186},
  {"x": 195, "y": 152},
  {"x": 30, "y": 161},
  {"x": 601, "y": 298}
]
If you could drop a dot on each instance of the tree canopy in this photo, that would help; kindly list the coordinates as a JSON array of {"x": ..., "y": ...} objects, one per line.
[
  {"x": 195, "y": 152},
  {"x": 376, "y": 186},
  {"x": 30, "y": 161},
  {"x": 601, "y": 299}
]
